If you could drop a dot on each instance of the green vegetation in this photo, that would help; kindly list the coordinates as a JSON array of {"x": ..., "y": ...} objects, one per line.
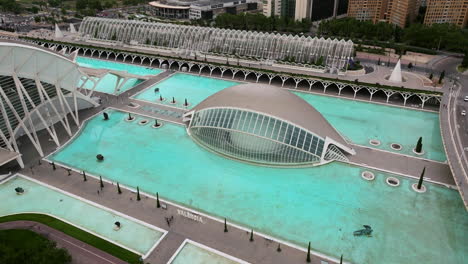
[
  {"x": 308, "y": 254},
  {"x": 25, "y": 246},
  {"x": 225, "y": 226},
  {"x": 118, "y": 189},
  {"x": 77, "y": 233},
  {"x": 158, "y": 205},
  {"x": 464, "y": 65},
  {"x": 419, "y": 145},
  {"x": 421, "y": 178},
  {"x": 251, "y": 236},
  {"x": 371, "y": 49},
  {"x": 259, "y": 22},
  {"x": 10, "y": 6},
  {"x": 438, "y": 36},
  {"x": 138, "y": 194},
  {"x": 441, "y": 76}
]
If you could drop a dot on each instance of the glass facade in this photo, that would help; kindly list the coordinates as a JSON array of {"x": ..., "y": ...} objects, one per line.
[{"x": 255, "y": 137}]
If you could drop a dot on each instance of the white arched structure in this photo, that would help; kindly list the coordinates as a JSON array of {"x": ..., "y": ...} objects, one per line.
[
  {"x": 38, "y": 88},
  {"x": 192, "y": 39}
]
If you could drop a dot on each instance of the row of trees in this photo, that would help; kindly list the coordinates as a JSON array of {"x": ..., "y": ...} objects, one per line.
[
  {"x": 10, "y": 6},
  {"x": 437, "y": 36},
  {"x": 259, "y": 22},
  {"x": 25, "y": 246}
]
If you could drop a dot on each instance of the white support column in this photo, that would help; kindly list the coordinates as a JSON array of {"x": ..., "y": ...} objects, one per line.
[
  {"x": 22, "y": 91},
  {"x": 388, "y": 93},
  {"x": 356, "y": 89},
  {"x": 20, "y": 123},
  {"x": 62, "y": 106},
  {"x": 372, "y": 91},
  {"x": 7, "y": 142},
  {"x": 424, "y": 99},
  {"x": 211, "y": 69},
  {"x": 222, "y": 71},
  {"x": 270, "y": 78},
  {"x": 297, "y": 81},
  {"x": 44, "y": 92},
  {"x": 325, "y": 85},
  {"x": 283, "y": 80},
  {"x": 406, "y": 96},
  {"x": 27, "y": 114},
  {"x": 68, "y": 109},
  {"x": 311, "y": 83},
  {"x": 234, "y": 72},
  {"x": 340, "y": 87},
  {"x": 258, "y": 75},
  {"x": 246, "y": 73}
]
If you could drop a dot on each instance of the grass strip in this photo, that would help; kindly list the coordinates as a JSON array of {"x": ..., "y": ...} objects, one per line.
[{"x": 77, "y": 233}]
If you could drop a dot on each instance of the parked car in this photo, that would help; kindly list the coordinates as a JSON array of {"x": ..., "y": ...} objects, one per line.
[
  {"x": 463, "y": 112},
  {"x": 466, "y": 98}
]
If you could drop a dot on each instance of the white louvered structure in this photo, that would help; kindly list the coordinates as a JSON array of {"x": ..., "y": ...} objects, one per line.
[
  {"x": 38, "y": 90},
  {"x": 192, "y": 39}
]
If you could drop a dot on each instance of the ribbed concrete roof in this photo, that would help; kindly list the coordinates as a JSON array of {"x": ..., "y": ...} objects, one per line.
[{"x": 276, "y": 102}]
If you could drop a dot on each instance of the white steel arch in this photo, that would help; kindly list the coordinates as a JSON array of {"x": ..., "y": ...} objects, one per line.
[{"x": 272, "y": 46}]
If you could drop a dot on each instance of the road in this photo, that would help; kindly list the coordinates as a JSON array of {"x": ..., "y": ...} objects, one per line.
[{"x": 455, "y": 129}]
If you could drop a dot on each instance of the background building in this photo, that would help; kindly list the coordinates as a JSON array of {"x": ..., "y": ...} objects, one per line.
[
  {"x": 305, "y": 9},
  {"x": 447, "y": 11},
  {"x": 271, "y": 8},
  {"x": 197, "y": 9},
  {"x": 397, "y": 12}
]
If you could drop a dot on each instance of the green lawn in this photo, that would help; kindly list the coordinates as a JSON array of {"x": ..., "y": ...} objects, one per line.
[
  {"x": 25, "y": 246},
  {"x": 461, "y": 69},
  {"x": 77, "y": 233}
]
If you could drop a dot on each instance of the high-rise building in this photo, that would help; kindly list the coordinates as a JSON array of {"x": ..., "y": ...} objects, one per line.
[
  {"x": 272, "y": 7},
  {"x": 447, "y": 11},
  {"x": 367, "y": 9},
  {"x": 397, "y": 12},
  {"x": 401, "y": 12},
  {"x": 308, "y": 9},
  {"x": 322, "y": 9}
]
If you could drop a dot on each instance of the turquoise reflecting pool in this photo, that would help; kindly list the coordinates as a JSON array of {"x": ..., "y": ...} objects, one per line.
[
  {"x": 41, "y": 199},
  {"x": 361, "y": 122},
  {"x": 323, "y": 205},
  {"x": 184, "y": 86},
  {"x": 108, "y": 82},
  {"x": 358, "y": 121},
  {"x": 193, "y": 254}
]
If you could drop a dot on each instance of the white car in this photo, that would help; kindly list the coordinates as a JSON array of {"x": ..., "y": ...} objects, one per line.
[
  {"x": 463, "y": 112},
  {"x": 466, "y": 98}
]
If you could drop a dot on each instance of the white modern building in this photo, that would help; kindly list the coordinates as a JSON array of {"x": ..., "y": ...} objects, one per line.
[
  {"x": 38, "y": 91},
  {"x": 266, "y": 125}
]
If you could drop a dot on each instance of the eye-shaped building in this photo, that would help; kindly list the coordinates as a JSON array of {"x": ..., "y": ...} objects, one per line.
[{"x": 266, "y": 125}]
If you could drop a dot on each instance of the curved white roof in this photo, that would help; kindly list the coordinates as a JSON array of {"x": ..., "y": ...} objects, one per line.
[
  {"x": 276, "y": 102},
  {"x": 32, "y": 61}
]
